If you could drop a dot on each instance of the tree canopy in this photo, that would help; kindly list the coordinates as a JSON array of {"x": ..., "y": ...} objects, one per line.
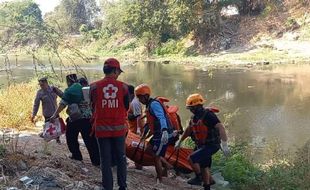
[{"x": 153, "y": 22}]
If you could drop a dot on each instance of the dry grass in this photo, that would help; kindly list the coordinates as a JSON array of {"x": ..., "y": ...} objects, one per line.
[{"x": 16, "y": 106}]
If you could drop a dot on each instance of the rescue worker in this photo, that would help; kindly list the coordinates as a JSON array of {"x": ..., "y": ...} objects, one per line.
[
  {"x": 78, "y": 121},
  {"x": 48, "y": 96},
  {"x": 110, "y": 102},
  {"x": 209, "y": 135},
  {"x": 158, "y": 126},
  {"x": 135, "y": 118}
]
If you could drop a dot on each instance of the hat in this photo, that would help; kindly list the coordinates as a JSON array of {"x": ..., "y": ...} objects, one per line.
[
  {"x": 43, "y": 79},
  {"x": 83, "y": 81},
  {"x": 114, "y": 63},
  {"x": 71, "y": 78}
]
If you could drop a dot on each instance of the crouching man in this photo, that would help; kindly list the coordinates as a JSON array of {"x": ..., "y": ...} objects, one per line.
[{"x": 209, "y": 135}]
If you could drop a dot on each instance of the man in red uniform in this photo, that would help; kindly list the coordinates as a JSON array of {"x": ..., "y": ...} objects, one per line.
[{"x": 110, "y": 102}]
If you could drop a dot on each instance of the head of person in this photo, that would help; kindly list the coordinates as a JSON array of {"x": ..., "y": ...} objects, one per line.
[
  {"x": 111, "y": 67},
  {"x": 83, "y": 81},
  {"x": 43, "y": 83},
  {"x": 143, "y": 93},
  {"x": 194, "y": 103},
  {"x": 131, "y": 91},
  {"x": 71, "y": 79}
]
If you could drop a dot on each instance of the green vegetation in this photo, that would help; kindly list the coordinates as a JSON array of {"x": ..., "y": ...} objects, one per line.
[
  {"x": 281, "y": 172},
  {"x": 183, "y": 28}
]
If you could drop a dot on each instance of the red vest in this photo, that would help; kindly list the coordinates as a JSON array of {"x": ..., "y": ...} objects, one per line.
[
  {"x": 110, "y": 112},
  {"x": 153, "y": 122},
  {"x": 200, "y": 131}
]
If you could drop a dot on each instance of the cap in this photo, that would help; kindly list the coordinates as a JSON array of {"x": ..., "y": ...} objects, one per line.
[
  {"x": 42, "y": 79},
  {"x": 71, "y": 78},
  {"x": 112, "y": 62}
]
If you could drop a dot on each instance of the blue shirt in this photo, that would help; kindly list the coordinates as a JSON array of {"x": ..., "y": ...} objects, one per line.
[{"x": 157, "y": 110}]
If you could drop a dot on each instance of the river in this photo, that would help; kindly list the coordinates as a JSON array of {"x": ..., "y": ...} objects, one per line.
[{"x": 267, "y": 103}]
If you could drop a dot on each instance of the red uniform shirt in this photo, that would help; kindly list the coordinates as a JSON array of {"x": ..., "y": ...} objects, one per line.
[{"x": 109, "y": 114}]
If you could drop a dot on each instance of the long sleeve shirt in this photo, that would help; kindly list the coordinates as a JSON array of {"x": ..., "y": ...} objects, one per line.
[
  {"x": 159, "y": 113},
  {"x": 48, "y": 98}
]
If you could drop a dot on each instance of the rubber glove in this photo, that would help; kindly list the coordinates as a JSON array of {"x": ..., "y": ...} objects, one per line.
[
  {"x": 164, "y": 137},
  {"x": 225, "y": 148}
]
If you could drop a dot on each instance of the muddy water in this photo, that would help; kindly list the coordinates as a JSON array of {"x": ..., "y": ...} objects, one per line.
[{"x": 260, "y": 104}]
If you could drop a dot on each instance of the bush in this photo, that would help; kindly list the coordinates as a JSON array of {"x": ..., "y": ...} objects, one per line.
[
  {"x": 278, "y": 173},
  {"x": 16, "y": 105},
  {"x": 171, "y": 47}
]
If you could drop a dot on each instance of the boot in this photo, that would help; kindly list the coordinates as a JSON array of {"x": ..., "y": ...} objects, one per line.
[
  {"x": 196, "y": 180},
  {"x": 206, "y": 187}
]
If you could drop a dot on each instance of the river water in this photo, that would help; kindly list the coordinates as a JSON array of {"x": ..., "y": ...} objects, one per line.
[{"x": 260, "y": 104}]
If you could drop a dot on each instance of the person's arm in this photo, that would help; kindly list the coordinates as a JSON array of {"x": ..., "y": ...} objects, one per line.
[
  {"x": 222, "y": 132},
  {"x": 187, "y": 133},
  {"x": 57, "y": 91},
  {"x": 36, "y": 105},
  {"x": 224, "y": 138},
  {"x": 93, "y": 96},
  {"x": 62, "y": 106},
  {"x": 137, "y": 113},
  {"x": 139, "y": 124},
  {"x": 212, "y": 121},
  {"x": 126, "y": 97},
  {"x": 159, "y": 113}
]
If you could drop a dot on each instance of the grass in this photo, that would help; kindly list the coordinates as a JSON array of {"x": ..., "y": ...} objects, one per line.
[
  {"x": 16, "y": 103},
  {"x": 16, "y": 106},
  {"x": 281, "y": 172}
]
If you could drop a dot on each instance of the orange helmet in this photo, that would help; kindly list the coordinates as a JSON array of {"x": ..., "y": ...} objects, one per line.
[
  {"x": 142, "y": 89},
  {"x": 194, "y": 99}
]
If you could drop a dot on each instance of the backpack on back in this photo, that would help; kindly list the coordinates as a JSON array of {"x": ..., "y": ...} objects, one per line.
[{"x": 172, "y": 115}]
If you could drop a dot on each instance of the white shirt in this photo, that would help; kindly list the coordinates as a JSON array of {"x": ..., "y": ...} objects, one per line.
[{"x": 136, "y": 107}]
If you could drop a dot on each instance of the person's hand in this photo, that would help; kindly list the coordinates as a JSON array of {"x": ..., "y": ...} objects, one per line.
[
  {"x": 178, "y": 144},
  {"x": 164, "y": 137},
  {"x": 32, "y": 118},
  {"x": 225, "y": 148},
  {"x": 175, "y": 133},
  {"x": 52, "y": 119}
]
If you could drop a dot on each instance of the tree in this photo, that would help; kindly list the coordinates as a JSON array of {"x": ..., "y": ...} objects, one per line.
[
  {"x": 69, "y": 15},
  {"x": 21, "y": 22}
]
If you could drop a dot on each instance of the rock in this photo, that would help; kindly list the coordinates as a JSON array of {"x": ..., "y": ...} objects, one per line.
[
  {"x": 12, "y": 188},
  {"x": 219, "y": 179},
  {"x": 166, "y": 62},
  {"x": 21, "y": 165},
  {"x": 292, "y": 36}
]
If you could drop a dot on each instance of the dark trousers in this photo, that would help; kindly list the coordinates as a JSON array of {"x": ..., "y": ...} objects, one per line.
[
  {"x": 112, "y": 148},
  {"x": 82, "y": 126}
]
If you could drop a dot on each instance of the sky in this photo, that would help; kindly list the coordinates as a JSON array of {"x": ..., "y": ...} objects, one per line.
[{"x": 45, "y": 5}]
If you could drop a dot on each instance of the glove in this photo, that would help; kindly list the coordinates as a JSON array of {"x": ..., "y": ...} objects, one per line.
[
  {"x": 177, "y": 144},
  {"x": 164, "y": 137},
  {"x": 225, "y": 148}
]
